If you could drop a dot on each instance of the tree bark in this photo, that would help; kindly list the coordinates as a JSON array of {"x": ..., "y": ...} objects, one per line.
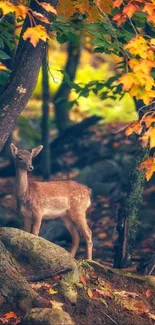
[
  {"x": 45, "y": 161},
  {"x": 61, "y": 97},
  {"x": 17, "y": 92},
  {"x": 129, "y": 210}
]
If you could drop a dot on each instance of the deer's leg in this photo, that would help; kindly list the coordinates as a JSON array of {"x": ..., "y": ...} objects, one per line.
[
  {"x": 27, "y": 224},
  {"x": 36, "y": 225},
  {"x": 81, "y": 222},
  {"x": 74, "y": 234}
]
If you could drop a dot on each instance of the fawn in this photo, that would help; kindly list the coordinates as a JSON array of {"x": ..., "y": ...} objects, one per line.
[{"x": 35, "y": 201}]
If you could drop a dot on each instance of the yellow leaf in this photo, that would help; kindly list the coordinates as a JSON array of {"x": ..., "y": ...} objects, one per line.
[
  {"x": 7, "y": 7},
  {"x": 3, "y": 66},
  {"x": 140, "y": 46},
  {"x": 134, "y": 127},
  {"x": 127, "y": 80},
  {"x": 52, "y": 292},
  {"x": 35, "y": 34}
]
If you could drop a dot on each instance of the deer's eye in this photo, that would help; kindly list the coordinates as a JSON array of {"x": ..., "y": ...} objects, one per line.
[{"x": 20, "y": 158}]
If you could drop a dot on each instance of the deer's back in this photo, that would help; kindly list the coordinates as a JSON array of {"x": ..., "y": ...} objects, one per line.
[{"x": 56, "y": 198}]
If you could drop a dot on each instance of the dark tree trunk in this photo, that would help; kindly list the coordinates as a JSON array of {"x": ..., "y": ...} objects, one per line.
[
  {"x": 17, "y": 92},
  {"x": 129, "y": 210},
  {"x": 45, "y": 162},
  {"x": 61, "y": 97}
]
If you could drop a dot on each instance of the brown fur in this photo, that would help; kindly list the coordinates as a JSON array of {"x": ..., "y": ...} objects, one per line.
[{"x": 68, "y": 200}]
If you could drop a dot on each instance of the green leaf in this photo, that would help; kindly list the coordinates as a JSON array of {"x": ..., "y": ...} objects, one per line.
[{"x": 4, "y": 56}]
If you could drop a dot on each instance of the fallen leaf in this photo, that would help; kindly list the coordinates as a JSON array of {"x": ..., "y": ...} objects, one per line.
[
  {"x": 83, "y": 280},
  {"x": 52, "y": 291},
  {"x": 148, "y": 293},
  {"x": 90, "y": 294}
]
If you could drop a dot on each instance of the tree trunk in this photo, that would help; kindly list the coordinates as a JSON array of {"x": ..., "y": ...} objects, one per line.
[
  {"x": 129, "y": 210},
  {"x": 45, "y": 162},
  {"x": 61, "y": 97},
  {"x": 17, "y": 92}
]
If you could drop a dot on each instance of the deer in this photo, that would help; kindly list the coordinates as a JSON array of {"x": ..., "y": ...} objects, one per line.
[{"x": 36, "y": 200}]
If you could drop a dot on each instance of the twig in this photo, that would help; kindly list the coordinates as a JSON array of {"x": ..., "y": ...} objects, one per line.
[{"x": 102, "y": 312}]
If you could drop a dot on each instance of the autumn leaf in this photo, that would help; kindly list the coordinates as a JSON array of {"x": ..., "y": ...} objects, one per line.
[
  {"x": 83, "y": 280},
  {"x": 151, "y": 315},
  {"x": 105, "y": 6},
  {"x": 148, "y": 293},
  {"x": 52, "y": 291},
  {"x": 3, "y": 66},
  {"x": 149, "y": 166},
  {"x": 151, "y": 136},
  {"x": 35, "y": 34},
  {"x": 48, "y": 7},
  {"x": 10, "y": 318},
  {"x": 8, "y": 7},
  {"x": 140, "y": 307},
  {"x": 130, "y": 9},
  {"x": 90, "y": 294},
  {"x": 148, "y": 120},
  {"x": 104, "y": 292},
  {"x": 117, "y": 3},
  {"x": 134, "y": 127},
  {"x": 41, "y": 17}
]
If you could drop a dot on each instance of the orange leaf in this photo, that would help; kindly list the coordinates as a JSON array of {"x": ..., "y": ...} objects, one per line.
[
  {"x": 148, "y": 120},
  {"x": 149, "y": 166},
  {"x": 129, "y": 10},
  {"x": 35, "y": 34},
  {"x": 90, "y": 294},
  {"x": 104, "y": 6},
  {"x": 134, "y": 127},
  {"x": 148, "y": 293},
  {"x": 83, "y": 280},
  {"x": 9, "y": 315},
  {"x": 117, "y": 3},
  {"x": 140, "y": 307},
  {"x": 104, "y": 292}
]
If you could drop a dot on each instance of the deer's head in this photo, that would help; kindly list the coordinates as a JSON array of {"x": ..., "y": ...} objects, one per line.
[{"x": 23, "y": 158}]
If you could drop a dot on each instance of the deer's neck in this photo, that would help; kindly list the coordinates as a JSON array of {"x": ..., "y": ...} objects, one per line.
[{"x": 21, "y": 183}]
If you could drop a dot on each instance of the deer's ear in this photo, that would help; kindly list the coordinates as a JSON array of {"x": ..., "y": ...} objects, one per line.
[
  {"x": 14, "y": 149},
  {"x": 36, "y": 151}
]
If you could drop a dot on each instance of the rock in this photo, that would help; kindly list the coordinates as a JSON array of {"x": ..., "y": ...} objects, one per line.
[
  {"x": 37, "y": 257},
  {"x": 47, "y": 316},
  {"x": 103, "y": 171},
  {"x": 104, "y": 189}
]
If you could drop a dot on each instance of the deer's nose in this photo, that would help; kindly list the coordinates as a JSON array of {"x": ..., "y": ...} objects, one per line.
[{"x": 30, "y": 168}]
